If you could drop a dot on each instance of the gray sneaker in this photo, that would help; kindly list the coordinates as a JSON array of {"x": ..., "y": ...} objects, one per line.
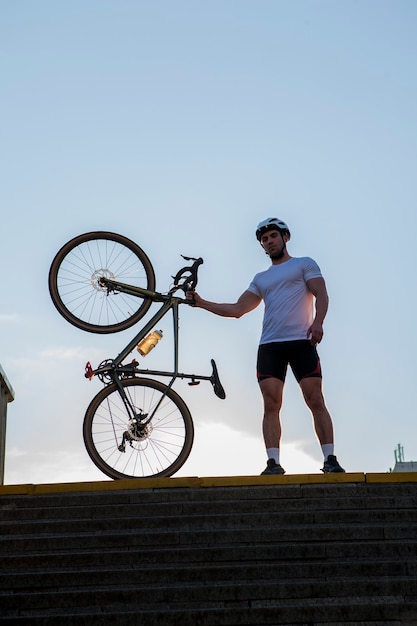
[
  {"x": 332, "y": 465},
  {"x": 273, "y": 468}
]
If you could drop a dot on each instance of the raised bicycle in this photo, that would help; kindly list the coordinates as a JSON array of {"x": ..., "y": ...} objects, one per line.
[{"x": 135, "y": 427}]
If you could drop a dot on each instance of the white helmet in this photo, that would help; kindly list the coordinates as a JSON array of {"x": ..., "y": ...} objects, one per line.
[{"x": 272, "y": 223}]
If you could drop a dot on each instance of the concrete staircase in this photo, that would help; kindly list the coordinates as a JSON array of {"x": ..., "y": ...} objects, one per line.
[{"x": 300, "y": 550}]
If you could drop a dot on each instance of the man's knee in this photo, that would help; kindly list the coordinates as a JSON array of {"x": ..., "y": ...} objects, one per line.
[
  {"x": 312, "y": 393},
  {"x": 271, "y": 390},
  {"x": 315, "y": 402},
  {"x": 272, "y": 403}
]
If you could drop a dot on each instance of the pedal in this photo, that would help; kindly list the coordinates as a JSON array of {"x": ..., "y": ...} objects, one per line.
[{"x": 89, "y": 373}]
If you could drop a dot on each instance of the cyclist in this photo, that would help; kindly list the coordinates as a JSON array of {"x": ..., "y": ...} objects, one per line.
[{"x": 296, "y": 301}]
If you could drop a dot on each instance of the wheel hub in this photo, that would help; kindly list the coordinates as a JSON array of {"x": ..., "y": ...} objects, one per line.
[
  {"x": 138, "y": 432},
  {"x": 97, "y": 275}
]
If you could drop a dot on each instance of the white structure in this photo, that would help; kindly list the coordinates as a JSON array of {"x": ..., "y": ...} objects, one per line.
[{"x": 6, "y": 396}]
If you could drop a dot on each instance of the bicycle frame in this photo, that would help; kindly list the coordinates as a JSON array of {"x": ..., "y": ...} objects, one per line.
[{"x": 169, "y": 302}]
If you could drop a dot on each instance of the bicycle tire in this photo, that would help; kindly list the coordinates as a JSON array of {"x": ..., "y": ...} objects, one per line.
[
  {"x": 75, "y": 290},
  {"x": 161, "y": 451}
]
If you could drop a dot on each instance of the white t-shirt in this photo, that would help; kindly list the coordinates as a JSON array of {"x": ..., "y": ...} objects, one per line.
[{"x": 289, "y": 305}]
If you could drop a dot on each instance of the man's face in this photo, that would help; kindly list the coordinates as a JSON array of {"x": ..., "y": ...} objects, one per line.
[{"x": 273, "y": 242}]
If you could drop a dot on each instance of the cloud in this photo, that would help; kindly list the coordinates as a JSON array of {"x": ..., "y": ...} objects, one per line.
[
  {"x": 9, "y": 317},
  {"x": 239, "y": 454},
  {"x": 66, "y": 353},
  {"x": 43, "y": 467}
]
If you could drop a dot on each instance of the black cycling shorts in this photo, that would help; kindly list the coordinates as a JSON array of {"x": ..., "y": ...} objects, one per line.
[{"x": 274, "y": 358}]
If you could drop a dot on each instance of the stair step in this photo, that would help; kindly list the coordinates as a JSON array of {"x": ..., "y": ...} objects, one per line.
[
  {"x": 215, "y": 594},
  {"x": 389, "y": 611},
  {"x": 320, "y": 496},
  {"x": 102, "y": 520},
  {"x": 371, "y": 551},
  {"x": 98, "y": 538},
  {"x": 141, "y": 574}
]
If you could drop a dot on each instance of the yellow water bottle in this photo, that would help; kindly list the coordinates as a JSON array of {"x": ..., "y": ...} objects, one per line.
[{"x": 149, "y": 342}]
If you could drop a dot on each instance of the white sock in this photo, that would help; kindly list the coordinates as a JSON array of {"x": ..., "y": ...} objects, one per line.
[
  {"x": 273, "y": 453},
  {"x": 328, "y": 448}
]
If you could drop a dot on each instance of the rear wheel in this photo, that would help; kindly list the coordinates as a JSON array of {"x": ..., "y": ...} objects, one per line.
[
  {"x": 74, "y": 282},
  {"x": 124, "y": 448}
]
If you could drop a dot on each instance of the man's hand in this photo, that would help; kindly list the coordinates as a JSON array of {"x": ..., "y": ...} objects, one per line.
[
  {"x": 315, "y": 333},
  {"x": 193, "y": 298}
]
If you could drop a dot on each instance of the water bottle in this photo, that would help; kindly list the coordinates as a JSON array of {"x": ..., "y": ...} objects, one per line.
[{"x": 149, "y": 342}]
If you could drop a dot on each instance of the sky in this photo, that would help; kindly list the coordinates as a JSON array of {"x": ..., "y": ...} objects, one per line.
[{"x": 181, "y": 124}]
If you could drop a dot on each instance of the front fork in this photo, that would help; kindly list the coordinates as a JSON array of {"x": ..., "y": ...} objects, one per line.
[{"x": 139, "y": 424}]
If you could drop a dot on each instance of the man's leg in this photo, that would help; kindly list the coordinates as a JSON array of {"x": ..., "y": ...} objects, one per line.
[
  {"x": 271, "y": 389},
  {"x": 323, "y": 425},
  {"x": 313, "y": 395}
]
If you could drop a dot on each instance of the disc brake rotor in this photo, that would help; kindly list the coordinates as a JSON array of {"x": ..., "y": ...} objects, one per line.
[{"x": 97, "y": 275}]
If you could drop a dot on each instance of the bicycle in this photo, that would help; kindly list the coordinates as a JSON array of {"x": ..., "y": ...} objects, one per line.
[{"x": 135, "y": 427}]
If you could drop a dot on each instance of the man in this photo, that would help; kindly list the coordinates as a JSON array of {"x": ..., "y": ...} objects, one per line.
[{"x": 292, "y": 327}]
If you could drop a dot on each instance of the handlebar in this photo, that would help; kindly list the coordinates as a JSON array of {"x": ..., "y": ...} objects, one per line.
[{"x": 187, "y": 277}]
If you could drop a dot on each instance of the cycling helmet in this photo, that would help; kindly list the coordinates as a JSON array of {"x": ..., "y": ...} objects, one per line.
[{"x": 272, "y": 223}]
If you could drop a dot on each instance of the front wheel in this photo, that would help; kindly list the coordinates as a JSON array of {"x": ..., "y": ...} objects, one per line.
[
  {"x": 122, "y": 447},
  {"x": 76, "y": 290}
]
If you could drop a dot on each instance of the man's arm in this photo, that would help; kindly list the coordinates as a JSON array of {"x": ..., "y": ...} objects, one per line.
[
  {"x": 317, "y": 286},
  {"x": 247, "y": 302}
]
